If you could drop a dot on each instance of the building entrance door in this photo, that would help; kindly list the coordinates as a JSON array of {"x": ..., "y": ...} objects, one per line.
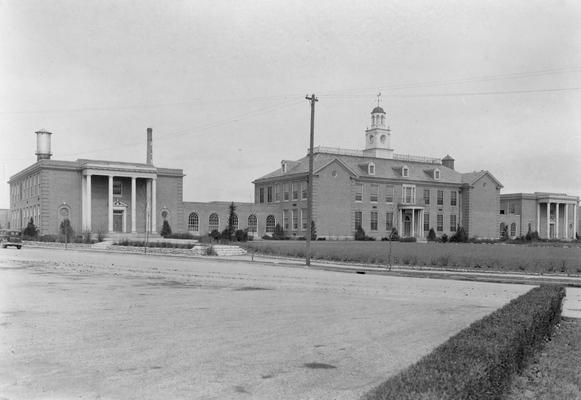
[
  {"x": 551, "y": 231},
  {"x": 407, "y": 226},
  {"x": 117, "y": 221}
]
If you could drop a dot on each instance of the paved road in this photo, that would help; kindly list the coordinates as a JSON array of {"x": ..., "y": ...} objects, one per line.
[{"x": 116, "y": 326}]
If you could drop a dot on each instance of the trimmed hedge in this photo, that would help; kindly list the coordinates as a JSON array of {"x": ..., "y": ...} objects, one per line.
[{"x": 480, "y": 361}]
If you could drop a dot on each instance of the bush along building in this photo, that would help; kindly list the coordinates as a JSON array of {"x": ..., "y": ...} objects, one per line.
[{"x": 373, "y": 190}]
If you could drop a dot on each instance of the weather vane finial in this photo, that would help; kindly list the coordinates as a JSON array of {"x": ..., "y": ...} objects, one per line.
[{"x": 378, "y": 98}]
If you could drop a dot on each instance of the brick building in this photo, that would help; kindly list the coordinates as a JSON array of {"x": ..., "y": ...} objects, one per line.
[
  {"x": 378, "y": 190},
  {"x": 552, "y": 215},
  {"x": 95, "y": 195}
]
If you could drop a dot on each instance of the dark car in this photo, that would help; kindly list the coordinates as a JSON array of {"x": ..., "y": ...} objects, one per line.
[{"x": 10, "y": 238}]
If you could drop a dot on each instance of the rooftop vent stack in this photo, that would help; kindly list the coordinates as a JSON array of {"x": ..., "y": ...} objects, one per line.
[
  {"x": 43, "y": 145},
  {"x": 149, "y": 146},
  {"x": 448, "y": 162}
]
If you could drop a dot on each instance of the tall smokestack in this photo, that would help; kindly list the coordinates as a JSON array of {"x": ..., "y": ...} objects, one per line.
[
  {"x": 149, "y": 146},
  {"x": 43, "y": 145}
]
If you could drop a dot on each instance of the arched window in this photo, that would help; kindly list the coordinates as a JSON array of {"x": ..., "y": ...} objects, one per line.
[
  {"x": 214, "y": 222},
  {"x": 252, "y": 223},
  {"x": 193, "y": 222},
  {"x": 235, "y": 222},
  {"x": 270, "y": 223},
  {"x": 512, "y": 230},
  {"x": 382, "y": 139}
]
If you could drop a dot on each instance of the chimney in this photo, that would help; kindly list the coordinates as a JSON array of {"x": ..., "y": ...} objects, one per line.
[
  {"x": 149, "y": 146},
  {"x": 448, "y": 162},
  {"x": 43, "y": 145}
]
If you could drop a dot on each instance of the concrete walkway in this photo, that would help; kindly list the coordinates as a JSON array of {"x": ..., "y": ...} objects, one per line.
[{"x": 572, "y": 303}]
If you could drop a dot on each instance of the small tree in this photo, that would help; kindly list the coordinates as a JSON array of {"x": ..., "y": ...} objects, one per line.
[
  {"x": 360, "y": 233},
  {"x": 460, "y": 236},
  {"x": 215, "y": 234},
  {"x": 165, "y": 229},
  {"x": 313, "y": 231},
  {"x": 278, "y": 233},
  {"x": 66, "y": 229},
  {"x": 431, "y": 235},
  {"x": 504, "y": 233},
  {"x": 30, "y": 229},
  {"x": 394, "y": 235},
  {"x": 228, "y": 232},
  {"x": 444, "y": 238}
]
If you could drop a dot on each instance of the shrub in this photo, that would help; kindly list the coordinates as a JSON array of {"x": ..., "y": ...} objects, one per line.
[
  {"x": 460, "y": 236},
  {"x": 313, "y": 231},
  {"x": 408, "y": 240},
  {"x": 241, "y": 235},
  {"x": 444, "y": 238},
  {"x": 360, "y": 233},
  {"x": 480, "y": 361},
  {"x": 431, "y": 235},
  {"x": 66, "y": 229},
  {"x": 187, "y": 236},
  {"x": 278, "y": 233},
  {"x": 165, "y": 229},
  {"x": 48, "y": 238},
  {"x": 394, "y": 235},
  {"x": 30, "y": 231},
  {"x": 215, "y": 234}
]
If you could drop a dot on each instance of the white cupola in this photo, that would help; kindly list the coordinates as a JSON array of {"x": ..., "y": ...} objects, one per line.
[{"x": 378, "y": 135}]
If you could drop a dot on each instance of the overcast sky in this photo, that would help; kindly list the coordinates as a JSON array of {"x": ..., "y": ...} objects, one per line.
[{"x": 495, "y": 84}]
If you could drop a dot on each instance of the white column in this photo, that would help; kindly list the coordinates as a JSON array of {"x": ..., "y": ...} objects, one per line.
[
  {"x": 83, "y": 203},
  {"x": 575, "y": 220},
  {"x": 148, "y": 205},
  {"x": 548, "y": 219},
  {"x": 133, "y": 201},
  {"x": 421, "y": 228},
  {"x": 89, "y": 209},
  {"x": 110, "y": 206},
  {"x": 566, "y": 221},
  {"x": 400, "y": 222},
  {"x": 153, "y": 204},
  {"x": 557, "y": 221},
  {"x": 413, "y": 223},
  {"x": 539, "y": 218}
]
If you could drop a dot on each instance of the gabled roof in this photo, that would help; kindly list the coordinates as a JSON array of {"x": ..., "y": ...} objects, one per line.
[
  {"x": 384, "y": 168},
  {"x": 470, "y": 178}
]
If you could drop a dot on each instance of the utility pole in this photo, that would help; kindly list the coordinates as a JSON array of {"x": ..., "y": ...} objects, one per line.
[{"x": 313, "y": 100}]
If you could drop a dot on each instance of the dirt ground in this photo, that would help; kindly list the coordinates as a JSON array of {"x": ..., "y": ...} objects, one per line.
[{"x": 94, "y": 325}]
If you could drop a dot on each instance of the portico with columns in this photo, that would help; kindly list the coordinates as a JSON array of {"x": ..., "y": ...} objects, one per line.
[
  {"x": 411, "y": 221},
  {"x": 557, "y": 216},
  {"x": 122, "y": 197}
]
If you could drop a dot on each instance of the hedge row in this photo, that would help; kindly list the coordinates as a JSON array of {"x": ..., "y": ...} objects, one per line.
[{"x": 480, "y": 361}]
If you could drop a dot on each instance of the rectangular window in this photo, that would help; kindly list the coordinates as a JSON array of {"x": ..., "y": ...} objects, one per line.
[
  {"x": 304, "y": 218},
  {"x": 389, "y": 193},
  {"x": 453, "y": 198},
  {"x": 285, "y": 191},
  {"x": 277, "y": 192},
  {"x": 389, "y": 221},
  {"x": 295, "y": 190},
  {"x": 117, "y": 188},
  {"x": 269, "y": 194},
  {"x": 261, "y": 195},
  {"x": 426, "y": 196},
  {"x": 285, "y": 219},
  {"x": 373, "y": 193},
  {"x": 440, "y": 223},
  {"x": 304, "y": 190},
  {"x": 452, "y": 223},
  {"x": 358, "y": 192},
  {"x": 408, "y": 194},
  {"x": 440, "y": 197},
  {"x": 358, "y": 219},
  {"x": 295, "y": 219},
  {"x": 373, "y": 225},
  {"x": 426, "y": 222}
]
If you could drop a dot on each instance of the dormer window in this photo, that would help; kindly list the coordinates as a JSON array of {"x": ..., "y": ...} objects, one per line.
[
  {"x": 283, "y": 166},
  {"x": 437, "y": 174},
  {"x": 405, "y": 171},
  {"x": 371, "y": 168}
]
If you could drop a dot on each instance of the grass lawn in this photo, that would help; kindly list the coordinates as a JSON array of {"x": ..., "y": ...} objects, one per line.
[
  {"x": 554, "y": 373},
  {"x": 509, "y": 257}
]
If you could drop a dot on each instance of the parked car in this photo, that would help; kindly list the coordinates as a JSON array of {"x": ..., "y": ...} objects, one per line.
[{"x": 10, "y": 238}]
